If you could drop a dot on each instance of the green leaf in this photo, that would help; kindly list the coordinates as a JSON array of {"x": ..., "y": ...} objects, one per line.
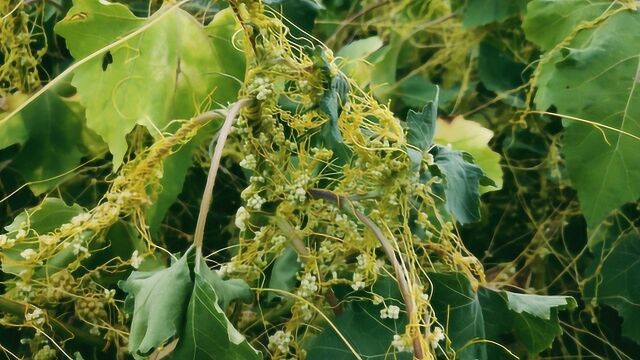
[
  {"x": 157, "y": 301},
  {"x": 596, "y": 77},
  {"x": 473, "y": 315},
  {"x": 300, "y": 13},
  {"x": 461, "y": 184},
  {"x": 352, "y": 59},
  {"x": 482, "y": 12},
  {"x": 471, "y": 137},
  {"x": 284, "y": 271},
  {"x": 49, "y": 133},
  {"x": 207, "y": 333},
  {"x": 498, "y": 71},
  {"x": 548, "y": 22},
  {"x": 457, "y": 306},
  {"x": 220, "y": 31},
  {"x": 383, "y": 74},
  {"x": 170, "y": 71},
  {"x": 361, "y": 325},
  {"x": 421, "y": 129},
  {"x": 614, "y": 280},
  {"x": 42, "y": 219}
]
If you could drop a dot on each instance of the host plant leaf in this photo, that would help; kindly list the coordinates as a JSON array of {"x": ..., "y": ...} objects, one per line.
[
  {"x": 170, "y": 71},
  {"x": 596, "y": 78},
  {"x": 157, "y": 300},
  {"x": 471, "y": 137},
  {"x": 207, "y": 332},
  {"x": 49, "y": 133}
]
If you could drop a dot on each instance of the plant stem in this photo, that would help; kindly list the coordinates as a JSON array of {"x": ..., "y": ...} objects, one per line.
[
  {"x": 346, "y": 205},
  {"x": 211, "y": 178}
]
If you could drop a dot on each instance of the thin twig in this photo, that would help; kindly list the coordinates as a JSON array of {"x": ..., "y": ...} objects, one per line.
[
  {"x": 211, "y": 178},
  {"x": 345, "y": 204}
]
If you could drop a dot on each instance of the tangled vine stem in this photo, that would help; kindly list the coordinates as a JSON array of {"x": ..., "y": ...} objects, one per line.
[
  {"x": 19, "y": 309},
  {"x": 345, "y": 204},
  {"x": 211, "y": 177},
  {"x": 302, "y": 250}
]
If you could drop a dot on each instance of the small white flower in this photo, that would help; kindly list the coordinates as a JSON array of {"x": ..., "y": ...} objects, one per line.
[
  {"x": 391, "y": 312},
  {"x": 308, "y": 286},
  {"x": 436, "y": 336},
  {"x": 242, "y": 215},
  {"x": 47, "y": 239},
  {"x": 21, "y": 235},
  {"x": 94, "y": 330},
  {"x": 280, "y": 340},
  {"x": 37, "y": 316},
  {"x": 79, "y": 249},
  {"x": 249, "y": 162},
  {"x": 80, "y": 218},
  {"x": 109, "y": 294},
  {"x": 27, "y": 254},
  {"x": 6, "y": 242},
  {"x": 400, "y": 343},
  {"x": 425, "y": 297},
  {"x": 358, "y": 282},
  {"x": 136, "y": 259}
]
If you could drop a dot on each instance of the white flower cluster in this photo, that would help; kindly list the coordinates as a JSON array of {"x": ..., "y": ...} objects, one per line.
[
  {"x": 391, "y": 312},
  {"x": 308, "y": 286},
  {"x": 37, "y": 316},
  {"x": 280, "y": 340},
  {"x": 28, "y": 254},
  {"x": 6, "y": 242},
  {"x": 401, "y": 343},
  {"x": 436, "y": 336},
  {"x": 249, "y": 162},
  {"x": 47, "y": 240},
  {"x": 256, "y": 202},
  {"x": 136, "y": 259},
  {"x": 242, "y": 215},
  {"x": 80, "y": 219},
  {"x": 358, "y": 281},
  {"x": 79, "y": 249},
  {"x": 278, "y": 240},
  {"x": 296, "y": 191},
  {"x": 262, "y": 86}
]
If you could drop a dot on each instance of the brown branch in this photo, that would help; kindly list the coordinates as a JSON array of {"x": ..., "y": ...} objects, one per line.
[{"x": 211, "y": 177}]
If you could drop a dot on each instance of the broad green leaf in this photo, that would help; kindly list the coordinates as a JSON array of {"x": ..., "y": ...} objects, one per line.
[
  {"x": 459, "y": 311},
  {"x": 471, "y": 137},
  {"x": 157, "y": 301},
  {"x": 473, "y": 315},
  {"x": 42, "y": 219},
  {"x": 548, "y": 22},
  {"x": 300, "y": 15},
  {"x": 596, "y": 78},
  {"x": 352, "y": 59},
  {"x": 361, "y": 325},
  {"x": 482, "y": 12},
  {"x": 331, "y": 102},
  {"x": 537, "y": 305},
  {"x": 284, "y": 271},
  {"x": 462, "y": 180},
  {"x": 220, "y": 31},
  {"x": 499, "y": 72},
  {"x": 49, "y": 133},
  {"x": 614, "y": 280},
  {"x": 383, "y": 74},
  {"x": 170, "y": 71},
  {"x": 421, "y": 127},
  {"x": 207, "y": 333}
]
